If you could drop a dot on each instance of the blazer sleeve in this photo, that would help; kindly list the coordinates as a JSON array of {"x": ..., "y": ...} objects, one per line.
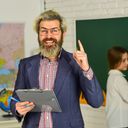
[{"x": 92, "y": 90}]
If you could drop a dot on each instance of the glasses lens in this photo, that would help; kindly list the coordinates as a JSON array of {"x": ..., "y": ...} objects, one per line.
[{"x": 54, "y": 31}]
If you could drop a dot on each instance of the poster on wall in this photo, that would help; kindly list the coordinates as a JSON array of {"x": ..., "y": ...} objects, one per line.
[{"x": 11, "y": 51}]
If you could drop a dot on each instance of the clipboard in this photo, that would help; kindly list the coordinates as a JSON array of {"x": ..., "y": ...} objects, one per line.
[{"x": 44, "y": 100}]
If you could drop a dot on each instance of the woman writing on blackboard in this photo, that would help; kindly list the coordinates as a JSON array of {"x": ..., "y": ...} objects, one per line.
[{"x": 117, "y": 89}]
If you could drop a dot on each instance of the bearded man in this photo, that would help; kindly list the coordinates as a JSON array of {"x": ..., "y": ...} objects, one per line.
[{"x": 67, "y": 74}]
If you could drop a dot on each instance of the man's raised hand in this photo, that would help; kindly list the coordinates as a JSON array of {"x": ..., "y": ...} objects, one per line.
[{"x": 81, "y": 57}]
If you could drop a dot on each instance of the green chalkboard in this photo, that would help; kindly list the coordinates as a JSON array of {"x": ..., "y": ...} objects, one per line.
[{"x": 97, "y": 36}]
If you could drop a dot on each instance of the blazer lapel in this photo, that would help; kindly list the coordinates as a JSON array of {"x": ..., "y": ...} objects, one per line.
[
  {"x": 33, "y": 72},
  {"x": 63, "y": 69}
]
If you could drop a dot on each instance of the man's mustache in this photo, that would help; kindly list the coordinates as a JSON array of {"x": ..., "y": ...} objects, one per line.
[{"x": 49, "y": 39}]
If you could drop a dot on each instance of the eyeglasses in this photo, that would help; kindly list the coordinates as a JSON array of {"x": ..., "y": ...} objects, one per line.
[{"x": 53, "y": 31}]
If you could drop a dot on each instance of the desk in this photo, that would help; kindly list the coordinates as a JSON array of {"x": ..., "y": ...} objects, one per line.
[
  {"x": 8, "y": 122},
  {"x": 93, "y": 117}
]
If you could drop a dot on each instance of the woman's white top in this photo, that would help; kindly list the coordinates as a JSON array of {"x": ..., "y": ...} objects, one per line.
[{"x": 117, "y": 100}]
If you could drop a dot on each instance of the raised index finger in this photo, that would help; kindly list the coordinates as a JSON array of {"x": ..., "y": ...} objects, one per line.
[{"x": 80, "y": 46}]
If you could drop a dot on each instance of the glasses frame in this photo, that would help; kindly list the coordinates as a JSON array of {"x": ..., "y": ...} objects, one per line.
[{"x": 45, "y": 31}]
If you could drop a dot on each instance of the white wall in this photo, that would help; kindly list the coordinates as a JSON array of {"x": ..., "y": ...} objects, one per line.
[{"x": 22, "y": 11}]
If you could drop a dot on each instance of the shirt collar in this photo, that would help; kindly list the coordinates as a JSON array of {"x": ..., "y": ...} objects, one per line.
[{"x": 116, "y": 72}]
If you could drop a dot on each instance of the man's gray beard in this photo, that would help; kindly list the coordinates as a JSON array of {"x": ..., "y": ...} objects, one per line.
[{"x": 51, "y": 52}]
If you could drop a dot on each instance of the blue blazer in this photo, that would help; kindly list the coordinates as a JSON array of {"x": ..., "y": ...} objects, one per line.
[{"x": 69, "y": 82}]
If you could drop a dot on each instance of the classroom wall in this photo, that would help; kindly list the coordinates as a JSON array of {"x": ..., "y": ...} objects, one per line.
[
  {"x": 86, "y": 9},
  {"x": 26, "y": 11},
  {"x": 22, "y": 11}
]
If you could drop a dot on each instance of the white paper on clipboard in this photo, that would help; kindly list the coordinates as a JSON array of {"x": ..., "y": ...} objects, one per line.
[{"x": 44, "y": 100}]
